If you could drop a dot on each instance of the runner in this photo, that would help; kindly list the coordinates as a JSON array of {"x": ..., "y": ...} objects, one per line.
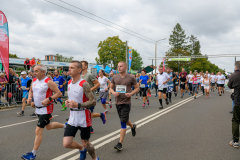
[
  {"x": 202, "y": 84},
  {"x": 189, "y": 77},
  {"x": 162, "y": 79},
  {"x": 123, "y": 94},
  {"x": 60, "y": 81},
  {"x": 213, "y": 80},
  {"x": 176, "y": 83},
  {"x": 182, "y": 82},
  {"x": 195, "y": 84},
  {"x": 80, "y": 99},
  {"x": 25, "y": 87},
  {"x": 198, "y": 80},
  {"x": 144, "y": 79},
  {"x": 109, "y": 93},
  {"x": 94, "y": 84},
  {"x": 185, "y": 76},
  {"x": 221, "y": 82},
  {"x": 41, "y": 90},
  {"x": 206, "y": 82},
  {"x": 170, "y": 85},
  {"x": 104, "y": 86}
]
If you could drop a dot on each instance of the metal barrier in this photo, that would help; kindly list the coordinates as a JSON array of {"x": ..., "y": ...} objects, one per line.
[{"x": 10, "y": 94}]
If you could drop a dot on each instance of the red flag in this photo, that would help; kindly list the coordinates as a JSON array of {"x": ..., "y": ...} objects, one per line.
[
  {"x": 4, "y": 42},
  {"x": 163, "y": 64}
]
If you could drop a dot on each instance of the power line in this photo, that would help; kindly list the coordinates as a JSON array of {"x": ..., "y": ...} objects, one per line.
[
  {"x": 98, "y": 21},
  {"x": 105, "y": 19}
]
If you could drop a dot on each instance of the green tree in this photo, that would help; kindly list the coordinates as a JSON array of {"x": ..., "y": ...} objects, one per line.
[
  {"x": 137, "y": 61},
  {"x": 178, "y": 38},
  {"x": 13, "y": 55},
  {"x": 60, "y": 58},
  {"x": 112, "y": 49}
]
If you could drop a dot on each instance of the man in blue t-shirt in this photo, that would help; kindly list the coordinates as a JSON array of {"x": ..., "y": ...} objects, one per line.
[
  {"x": 170, "y": 85},
  {"x": 143, "y": 80},
  {"x": 25, "y": 86},
  {"x": 60, "y": 81}
]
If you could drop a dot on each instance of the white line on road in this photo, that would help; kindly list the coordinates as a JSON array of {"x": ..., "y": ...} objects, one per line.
[
  {"x": 144, "y": 120},
  {"x": 22, "y": 123}
]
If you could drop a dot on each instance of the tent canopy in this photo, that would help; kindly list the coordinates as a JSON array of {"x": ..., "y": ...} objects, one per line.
[
  {"x": 98, "y": 68},
  {"x": 148, "y": 69},
  {"x": 133, "y": 72},
  {"x": 108, "y": 69}
]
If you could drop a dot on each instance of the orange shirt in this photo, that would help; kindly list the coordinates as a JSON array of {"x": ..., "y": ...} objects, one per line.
[{"x": 32, "y": 62}]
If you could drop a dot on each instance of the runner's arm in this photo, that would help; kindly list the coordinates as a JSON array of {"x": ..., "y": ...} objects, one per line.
[
  {"x": 111, "y": 88},
  {"x": 96, "y": 85},
  {"x": 109, "y": 83},
  {"x": 53, "y": 86},
  {"x": 91, "y": 100},
  {"x": 30, "y": 95},
  {"x": 136, "y": 89}
]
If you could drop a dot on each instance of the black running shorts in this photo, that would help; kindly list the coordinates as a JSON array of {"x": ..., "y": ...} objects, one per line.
[
  {"x": 212, "y": 84},
  {"x": 221, "y": 85},
  {"x": 43, "y": 120},
  {"x": 70, "y": 131},
  {"x": 123, "y": 112},
  {"x": 182, "y": 86},
  {"x": 164, "y": 90}
]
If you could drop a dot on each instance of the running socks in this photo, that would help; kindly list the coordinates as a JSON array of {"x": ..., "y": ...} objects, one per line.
[
  {"x": 160, "y": 100},
  {"x": 34, "y": 152}
]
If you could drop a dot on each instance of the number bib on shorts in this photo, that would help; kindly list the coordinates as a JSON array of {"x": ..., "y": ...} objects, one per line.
[
  {"x": 142, "y": 85},
  {"x": 121, "y": 88}
]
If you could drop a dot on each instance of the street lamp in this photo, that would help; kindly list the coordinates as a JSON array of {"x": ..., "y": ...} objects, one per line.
[{"x": 156, "y": 53}]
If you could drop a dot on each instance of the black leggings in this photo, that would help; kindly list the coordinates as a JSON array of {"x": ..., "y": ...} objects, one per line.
[{"x": 144, "y": 91}]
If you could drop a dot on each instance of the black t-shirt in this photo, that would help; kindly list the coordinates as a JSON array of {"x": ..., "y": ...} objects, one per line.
[
  {"x": 12, "y": 78},
  {"x": 174, "y": 75},
  {"x": 182, "y": 80}
]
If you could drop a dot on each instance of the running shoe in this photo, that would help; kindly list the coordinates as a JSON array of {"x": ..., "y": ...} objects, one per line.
[
  {"x": 20, "y": 113},
  {"x": 189, "y": 93},
  {"x": 140, "y": 98},
  {"x": 98, "y": 100},
  {"x": 167, "y": 102},
  {"x": 156, "y": 96},
  {"x": 92, "y": 131},
  {"x": 103, "y": 117},
  {"x": 64, "y": 108},
  {"x": 195, "y": 97},
  {"x": 223, "y": 92},
  {"x": 143, "y": 106},
  {"x": 63, "y": 104},
  {"x": 148, "y": 102},
  {"x": 220, "y": 94},
  {"x": 28, "y": 156},
  {"x": 234, "y": 144},
  {"x": 106, "y": 111},
  {"x": 161, "y": 107},
  {"x": 118, "y": 146},
  {"x": 34, "y": 115},
  {"x": 83, "y": 154},
  {"x": 110, "y": 104},
  {"x": 134, "y": 130}
]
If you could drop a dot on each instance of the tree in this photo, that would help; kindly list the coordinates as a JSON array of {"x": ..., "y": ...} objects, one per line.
[
  {"x": 178, "y": 37},
  {"x": 136, "y": 60},
  {"x": 13, "y": 55},
  {"x": 112, "y": 49},
  {"x": 60, "y": 58}
]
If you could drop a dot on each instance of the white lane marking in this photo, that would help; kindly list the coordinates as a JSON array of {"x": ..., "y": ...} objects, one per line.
[
  {"x": 118, "y": 131},
  {"x": 138, "y": 126},
  {"x": 22, "y": 123}
]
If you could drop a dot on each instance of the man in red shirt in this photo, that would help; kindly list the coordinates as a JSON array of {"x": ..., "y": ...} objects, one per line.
[{"x": 33, "y": 62}]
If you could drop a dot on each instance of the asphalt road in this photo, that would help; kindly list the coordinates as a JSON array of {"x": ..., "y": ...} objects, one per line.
[{"x": 186, "y": 129}]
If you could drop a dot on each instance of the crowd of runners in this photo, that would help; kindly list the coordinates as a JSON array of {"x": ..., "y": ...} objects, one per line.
[{"x": 43, "y": 91}]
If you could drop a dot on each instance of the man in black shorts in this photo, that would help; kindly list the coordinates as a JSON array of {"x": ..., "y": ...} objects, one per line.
[
  {"x": 123, "y": 83},
  {"x": 162, "y": 79},
  {"x": 182, "y": 82}
]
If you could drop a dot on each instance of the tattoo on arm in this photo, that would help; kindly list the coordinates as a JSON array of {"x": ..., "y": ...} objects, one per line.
[
  {"x": 91, "y": 150},
  {"x": 91, "y": 100}
]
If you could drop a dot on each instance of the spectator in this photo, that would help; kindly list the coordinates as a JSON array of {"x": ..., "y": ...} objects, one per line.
[
  {"x": 234, "y": 83},
  {"x": 38, "y": 61},
  {"x": 33, "y": 62},
  {"x": 64, "y": 75},
  {"x": 3, "y": 81},
  {"x": 27, "y": 63},
  {"x": 60, "y": 71},
  {"x": 11, "y": 84}
]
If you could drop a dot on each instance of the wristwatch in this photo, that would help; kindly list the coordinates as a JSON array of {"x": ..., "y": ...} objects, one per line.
[
  {"x": 79, "y": 105},
  {"x": 50, "y": 98}
]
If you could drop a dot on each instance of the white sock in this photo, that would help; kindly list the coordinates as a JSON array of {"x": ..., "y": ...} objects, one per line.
[
  {"x": 34, "y": 152},
  {"x": 82, "y": 149}
]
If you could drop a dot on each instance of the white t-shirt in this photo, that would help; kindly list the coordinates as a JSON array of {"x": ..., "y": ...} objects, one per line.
[
  {"x": 162, "y": 78},
  {"x": 201, "y": 81},
  {"x": 190, "y": 77},
  {"x": 103, "y": 83},
  {"x": 213, "y": 78},
  {"x": 221, "y": 77},
  {"x": 199, "y": 78}
]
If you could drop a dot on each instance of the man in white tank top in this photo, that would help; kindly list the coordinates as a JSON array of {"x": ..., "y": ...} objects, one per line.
[
  {"x": 41, "y": 90},
  {"x": 80, "y": 99}
]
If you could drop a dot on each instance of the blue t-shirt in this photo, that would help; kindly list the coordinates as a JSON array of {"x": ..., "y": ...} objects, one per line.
[
  {"x": 59, "y": 81},
  {"x": 170, "y": 83},
  {"x": 24, "y": 83},
  {"x": 144, "y": 80}
]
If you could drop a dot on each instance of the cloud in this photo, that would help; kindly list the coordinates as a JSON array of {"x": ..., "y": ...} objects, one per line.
[{"x": 38, "y": 27}]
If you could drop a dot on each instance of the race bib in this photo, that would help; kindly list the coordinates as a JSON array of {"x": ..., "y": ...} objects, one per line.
[
  {"x": 23, "y": 87},
  {"x": 101, "y": 87},
  {"x": 160, "y": 89},
  {"x": 121, "y": 88},
  {"x": 182, "y": 82},
  {"x": 142, "y": 85},
  {"x": 176, "y": 82}
]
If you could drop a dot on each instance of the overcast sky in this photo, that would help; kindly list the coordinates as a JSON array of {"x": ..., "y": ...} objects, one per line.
[{"x": 38, "y": 28}]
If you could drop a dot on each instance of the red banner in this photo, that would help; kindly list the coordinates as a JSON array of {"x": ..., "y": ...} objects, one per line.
[{"x": 4, "y": 43}]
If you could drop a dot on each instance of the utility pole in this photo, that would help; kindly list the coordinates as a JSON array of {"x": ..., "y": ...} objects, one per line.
[
  {"x": 127, "y": 55},
  {"x": 155, "y": 57}
]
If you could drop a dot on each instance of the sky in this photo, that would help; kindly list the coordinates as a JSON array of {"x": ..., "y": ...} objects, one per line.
[{"x": 38, "y": 28}]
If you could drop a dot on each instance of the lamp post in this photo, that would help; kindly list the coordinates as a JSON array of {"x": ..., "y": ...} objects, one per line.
[{"x": 156, "y": 53}]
